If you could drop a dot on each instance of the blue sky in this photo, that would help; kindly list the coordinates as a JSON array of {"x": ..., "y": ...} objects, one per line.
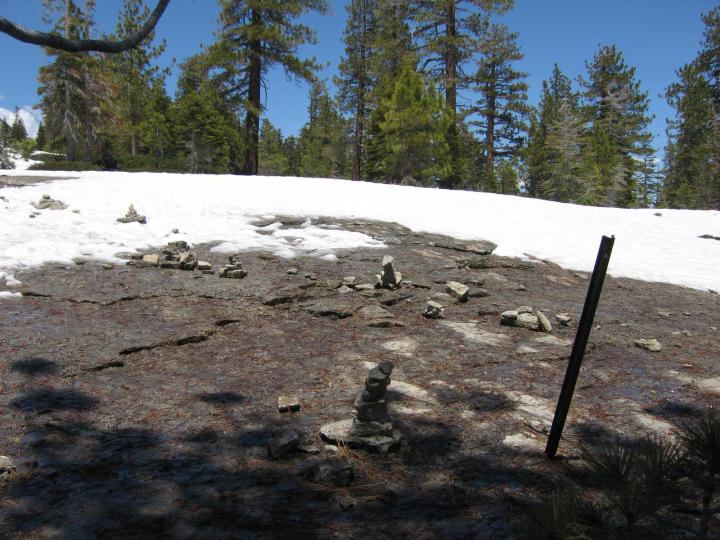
[{"x": 656, "y": 36}]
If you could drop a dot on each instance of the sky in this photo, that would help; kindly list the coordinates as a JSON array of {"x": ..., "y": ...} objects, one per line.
[
  {"x": 649, "y": 245},
  {"x": 655, "y": 36}
]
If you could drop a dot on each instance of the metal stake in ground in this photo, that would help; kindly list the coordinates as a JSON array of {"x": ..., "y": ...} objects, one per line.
[{"x": 581, "y": 339}]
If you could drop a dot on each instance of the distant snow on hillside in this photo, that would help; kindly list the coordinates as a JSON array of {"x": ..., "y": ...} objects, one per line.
[{"x": 653, "y": 245}]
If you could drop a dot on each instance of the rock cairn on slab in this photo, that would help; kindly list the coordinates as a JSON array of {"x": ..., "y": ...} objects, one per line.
[
  {"x": 526, "y": 317},
  {"x": 371, "y": 428},
  {"x": 234, "y": 269},
  {"x": 47, "y": 202},
  {"x": 372, "y": 416},
  {"x": 389, "y": 278},
  {"x": 131, "y": 216}
]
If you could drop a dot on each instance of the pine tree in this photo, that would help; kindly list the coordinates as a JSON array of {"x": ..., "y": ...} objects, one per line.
[
  {"x": 271, "y": 152},
  {"x": 564, "y": 175},
  {"x": 689, "y": 181},
  {"x": 412, "y": 131},
  {"x": 501, "y": 108},
  {"x": 256, "y": 35},
  {"x": 62, "y": 82},
  {"x": 133, "y": 74},
  {"x": 692, "y": 156},
  {"x": 391, "y": 48},
  {"x": 17, "y": 130},
  {"x": 355, "y": 85},
  {"x": 647, "y": 174},
  {"x": 157, "y": 128},
  {"x": 449, "y": 33},
  {"x": 709, "y": 57},
  {"x": 323, "y": 142},
  {"x": 4, "y": 133},
  {"x": 538, "y": 156},
  {"x": 616, "y": 111},
  {"x": 208, "y": 131},
  {"x": 5, "y": 162},
  {"x": 41, "y": 137}
]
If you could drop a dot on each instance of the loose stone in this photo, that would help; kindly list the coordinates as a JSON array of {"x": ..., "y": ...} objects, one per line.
[
  {"x": 652, "y": 345},
  {"x": 153, "y": 259},
  {"x": 457, "y": 290},
  {"x": 543, "y": 322},
  {"x": 433, "y": 310},
  {"x": 288, "y": 404},
  {"x": 527, "y": 320},
  {"x": 563, "y": 319},
  {"x": 283, "y": 444}
]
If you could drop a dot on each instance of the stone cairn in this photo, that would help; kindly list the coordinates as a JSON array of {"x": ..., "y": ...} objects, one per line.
[
  {"x": 526, "y": 317},
  {"x": 47, "y": 202},
  {"x": 372, "y": 415},
  {"x": 131, "y": 216},
  {"x": 371, "y": 427},
  {"x": 388, "y": 278},
  {"x": 234, "y": 269},
  {"x": 178, "y": 256}
]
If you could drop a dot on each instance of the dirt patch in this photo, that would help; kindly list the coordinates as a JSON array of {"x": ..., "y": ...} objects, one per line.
[
  {"x": 140, "y": 401},
  {"x": 6, "y": 180}
]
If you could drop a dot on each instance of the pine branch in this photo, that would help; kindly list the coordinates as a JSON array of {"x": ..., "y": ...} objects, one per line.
[{"x": 55, "y": 41}]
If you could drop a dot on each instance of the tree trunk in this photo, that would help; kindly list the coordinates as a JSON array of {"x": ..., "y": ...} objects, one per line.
[
  {"x": 252, "y": 119},
  {"x": 67, "y": 117},
  {"x": 360, "y": 111},
  {"x": 451, "y": 58}
]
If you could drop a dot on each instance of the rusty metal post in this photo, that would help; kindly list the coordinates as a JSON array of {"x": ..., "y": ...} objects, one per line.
[{"x": 581, "y": 339}]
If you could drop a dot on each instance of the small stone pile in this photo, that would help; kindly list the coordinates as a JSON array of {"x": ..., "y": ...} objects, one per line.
[
  {"x": 131, "y": 216},
  {"x": 47, "y": 202},
  {"x": 388, "y": 278},
  {"x": 372, "y": 415},
  {"x": 177, "y": 255},
  {"x": 526, "y": 317},
  {"x": 371, "y": 428},
  {"x": 234, "y": 269}
]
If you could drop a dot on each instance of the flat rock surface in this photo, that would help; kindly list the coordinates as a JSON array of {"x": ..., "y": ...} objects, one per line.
[{"x": 139, "y": 402}]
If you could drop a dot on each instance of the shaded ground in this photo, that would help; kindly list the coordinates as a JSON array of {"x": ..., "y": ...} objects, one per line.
[{"x": 138, "y": 402}]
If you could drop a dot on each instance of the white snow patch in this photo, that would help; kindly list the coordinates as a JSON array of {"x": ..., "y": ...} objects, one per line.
[{"x": 664, "y": 248}]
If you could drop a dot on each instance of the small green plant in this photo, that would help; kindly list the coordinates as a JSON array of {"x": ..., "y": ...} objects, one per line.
[
  {"x": 637, "y": 477},
  {"x": 701, "y": 441},
  {"x": 563, "y": 515}
]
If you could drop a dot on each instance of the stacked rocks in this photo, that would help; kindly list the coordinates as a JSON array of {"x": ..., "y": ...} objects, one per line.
[
  {"x": 131, "y": 216},
  {"x": 371, "y": 428},
  {"x": 47, "y": 202},
  {"x": 372, "y": 415},
  {"x": 233, "y": 269},
  {"x": 526, "y": 317},
  {"x": 389, "y": 278}
]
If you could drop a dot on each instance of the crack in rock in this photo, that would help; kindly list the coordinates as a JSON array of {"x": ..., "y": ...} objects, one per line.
[
  {"x": 198, "y": 338},
  {"x": 130, "y": 298}
]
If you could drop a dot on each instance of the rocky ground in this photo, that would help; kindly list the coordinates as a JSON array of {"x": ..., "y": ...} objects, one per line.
[{"x": 140, "y": 401}]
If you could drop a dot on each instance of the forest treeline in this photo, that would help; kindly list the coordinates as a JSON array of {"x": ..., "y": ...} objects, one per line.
[{"x": 427, "y": 93}]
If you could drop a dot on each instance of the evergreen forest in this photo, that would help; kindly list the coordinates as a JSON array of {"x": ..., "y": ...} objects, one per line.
[{"x": 427, "y": 93}]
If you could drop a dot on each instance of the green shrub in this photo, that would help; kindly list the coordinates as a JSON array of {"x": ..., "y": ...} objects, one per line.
[{"x": 65, "y": 166}]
